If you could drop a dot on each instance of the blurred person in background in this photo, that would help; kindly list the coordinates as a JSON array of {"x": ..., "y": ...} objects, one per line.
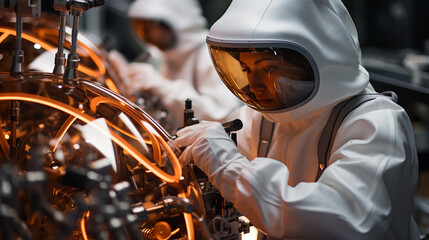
[
  {"x": 176, "y": 30},
  {"x": 292, "y": 62}
]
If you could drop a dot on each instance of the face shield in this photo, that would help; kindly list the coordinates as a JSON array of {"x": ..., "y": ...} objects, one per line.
[
  {"x": 266, "y": 78},
  {"x": 154, "y": 32}
]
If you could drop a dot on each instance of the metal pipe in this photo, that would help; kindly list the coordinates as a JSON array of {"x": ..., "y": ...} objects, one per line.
[
  {"x": 18, "y": 54},
  {"x": 71, "y": 72},
  {"x": 60, "y": 60}
]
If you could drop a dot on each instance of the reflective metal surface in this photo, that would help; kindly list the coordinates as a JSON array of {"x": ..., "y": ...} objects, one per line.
[
  {"x": 99, "y": 162},
  {"x": 80, "y": 161},
  {"x": 40, "y": 40}
]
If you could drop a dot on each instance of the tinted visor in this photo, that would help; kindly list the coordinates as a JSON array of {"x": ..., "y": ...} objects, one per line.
[
  {"x": 266, "y": 79},
  {"x": 154, "y": 32}
]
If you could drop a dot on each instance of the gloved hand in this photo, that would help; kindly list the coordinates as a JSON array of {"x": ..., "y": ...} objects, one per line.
[
  {"x": 119, "y": 65},
  {"x": 214, "y": 152},
  {"x": 134, "y": 76},
  {"x": 206, "y": 143},
  {"x": 144, "y": 76}
]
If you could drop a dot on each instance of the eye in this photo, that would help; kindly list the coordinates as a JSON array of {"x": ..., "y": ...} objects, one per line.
[
  {"x": 269, "y": 69},
  {"x": 246, "y": 70}
]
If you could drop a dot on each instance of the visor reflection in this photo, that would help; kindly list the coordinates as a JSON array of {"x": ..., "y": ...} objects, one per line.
[
  {"x": 154, "y": 32},
  {"x": 266, "y": 79}
]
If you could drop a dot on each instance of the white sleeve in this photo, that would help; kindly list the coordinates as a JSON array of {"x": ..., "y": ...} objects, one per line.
[{"x": 372, "y": 169}]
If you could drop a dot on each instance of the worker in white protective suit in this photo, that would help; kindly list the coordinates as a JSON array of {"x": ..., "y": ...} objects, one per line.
[
  {"x": 292, "y": 62},
  {"x": 178, "y": 29}
]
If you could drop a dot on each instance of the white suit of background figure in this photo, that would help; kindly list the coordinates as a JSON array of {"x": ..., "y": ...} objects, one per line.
[
  {"x": 178, "y": 29},
  {"x": 291, "y": 62}
]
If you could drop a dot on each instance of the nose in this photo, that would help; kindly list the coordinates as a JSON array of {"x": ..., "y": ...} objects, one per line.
[{"x": 256, "y": 81}]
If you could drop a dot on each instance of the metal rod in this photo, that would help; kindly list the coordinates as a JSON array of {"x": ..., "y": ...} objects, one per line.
[
  {"x": 71, "y": 72},
  {"x": 14, "y": 118},
  {"x": 18, "y": 33},
  {"x": 60, "y": 60},
  {"x": 18, "y": 55},
  {"x": 76, "y": 15}
]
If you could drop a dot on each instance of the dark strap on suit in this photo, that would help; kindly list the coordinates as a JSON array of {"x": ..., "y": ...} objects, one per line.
[
  {"x": 335, "y": 119},
  {"x": 265, "y": 137}
]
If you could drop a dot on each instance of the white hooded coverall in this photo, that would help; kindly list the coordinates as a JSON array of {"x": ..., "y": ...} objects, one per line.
[
  {"x": 367, "y": 190},
  {"x": 187, "y": 71}
]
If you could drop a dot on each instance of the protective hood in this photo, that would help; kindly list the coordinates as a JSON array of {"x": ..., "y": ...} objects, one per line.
[
  {"x": 322, "y": 30},
  {"x": 184, "y": 17}
]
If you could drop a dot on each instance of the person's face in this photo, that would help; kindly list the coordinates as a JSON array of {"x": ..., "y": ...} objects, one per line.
[
  {"x": 154, "y": 32},
  {"x": 262, "y": 69}
]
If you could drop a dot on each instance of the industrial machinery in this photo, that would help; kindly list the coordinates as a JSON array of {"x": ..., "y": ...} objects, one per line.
[
  {"x": 81, "y": 154},
  {"x": 80, "y": 161},
  {"x": 40, "y": 39},
  {"x": 223, "y": 219}
]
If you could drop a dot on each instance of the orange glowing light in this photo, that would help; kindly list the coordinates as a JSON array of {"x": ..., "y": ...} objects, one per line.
[
  {"x": 117, "y": 139},
  {"x": 4, "y": 144},
  {"x": 30, "y": 38},
  {"x": 82, "y": 226},
  {"x": 62, "y": 131},
  {"x": 3, "y": 37},
  {"x": 95, "y": 74},
  {"x": 111, "y": 85},
  {"x": 97, "y": 61},
  {"x": 188, "y": 219},
  {"x": 98, "y": 100}
]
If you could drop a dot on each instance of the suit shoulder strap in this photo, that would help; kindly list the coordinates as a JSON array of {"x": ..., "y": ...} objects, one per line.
[
  {"x": 338, "y": 114},
  {"x": 265, "y": 137}
]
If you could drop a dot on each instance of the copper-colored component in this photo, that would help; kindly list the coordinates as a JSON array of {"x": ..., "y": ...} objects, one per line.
[
  {"x": 81, "y": 152},
  {"x": 76, "y": 125},
  {"x": 40, "y": 36}
]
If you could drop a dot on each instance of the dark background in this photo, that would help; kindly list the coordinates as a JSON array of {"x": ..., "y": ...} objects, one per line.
[
  {"x": 391, "y": 23},
  {"x": 386, "y": 24}
]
